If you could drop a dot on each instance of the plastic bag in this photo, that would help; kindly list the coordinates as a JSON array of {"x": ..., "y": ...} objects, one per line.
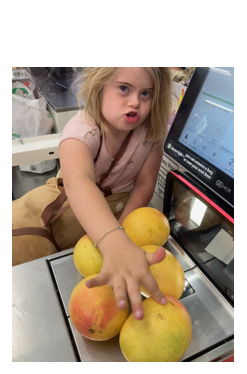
[
  {"x": 30, "y": 118},
  {"x": 22, "y": 90},
  {"x": 39, "y": 167}
]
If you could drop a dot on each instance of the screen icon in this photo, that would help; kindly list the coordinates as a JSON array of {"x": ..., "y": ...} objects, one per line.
[{"x": 218, "y": 132}]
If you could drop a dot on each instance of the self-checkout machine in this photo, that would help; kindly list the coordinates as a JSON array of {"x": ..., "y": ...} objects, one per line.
[
  {"x": 201, "y": 220},
  {"x": 195, "y": 190}
]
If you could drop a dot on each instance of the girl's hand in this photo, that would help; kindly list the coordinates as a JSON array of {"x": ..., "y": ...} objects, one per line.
[{"x": 126, "y": 269}]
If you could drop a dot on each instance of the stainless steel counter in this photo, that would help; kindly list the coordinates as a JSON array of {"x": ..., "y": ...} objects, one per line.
[
  {"x": 39, "y": 331},
  {"x": 42, "y": 330}
]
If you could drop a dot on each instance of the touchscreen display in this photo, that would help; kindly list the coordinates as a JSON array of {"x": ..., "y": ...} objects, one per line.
[
  {"x": 209, "y": 130},
  {"x": 201, "y": 138}
]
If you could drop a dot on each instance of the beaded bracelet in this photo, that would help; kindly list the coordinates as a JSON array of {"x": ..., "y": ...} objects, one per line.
[{"x": 107, "y": 232}]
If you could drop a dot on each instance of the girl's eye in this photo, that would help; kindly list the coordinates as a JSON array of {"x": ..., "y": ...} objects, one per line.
[
  {"x": 146, "y": 93},
  {"x": 124, "y": 88}
]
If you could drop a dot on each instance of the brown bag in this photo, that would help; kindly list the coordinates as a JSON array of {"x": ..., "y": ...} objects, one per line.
[{"x": 43, "y": 223}]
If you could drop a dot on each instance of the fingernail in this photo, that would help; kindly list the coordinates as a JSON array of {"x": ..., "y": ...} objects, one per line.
[
  {"x": 163, "y": 300},
  {"x": 88, "y": 284},
  {"x": 138, "y": 314}
]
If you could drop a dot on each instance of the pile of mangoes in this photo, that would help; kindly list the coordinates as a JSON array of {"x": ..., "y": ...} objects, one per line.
[{"x": 165, "y": 332}]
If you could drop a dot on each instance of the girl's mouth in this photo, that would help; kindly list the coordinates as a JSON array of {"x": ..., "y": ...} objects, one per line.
[{"x": 131, "y": 117}]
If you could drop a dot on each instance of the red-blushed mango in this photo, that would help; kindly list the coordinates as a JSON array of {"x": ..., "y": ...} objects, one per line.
[
  {"x": 147, "y": 226},
  {"x": 94, "y": 313},
  {"x": 163, "y": 335},
  {"x": 168, "y": 274},
  {"x": 87, "y": 259}
]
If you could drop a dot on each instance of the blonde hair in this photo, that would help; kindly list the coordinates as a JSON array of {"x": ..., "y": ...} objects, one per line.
[{"x": 90, "y": 92}]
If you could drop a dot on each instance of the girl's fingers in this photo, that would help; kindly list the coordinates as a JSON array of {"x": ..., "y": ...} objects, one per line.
[
  {"x": 99, "y": 280},
  {"x": 151, "y": 285},
  {"x": 119, "y": 287},
  {"x": 155, "y": 257},
  {"x": 134, "y": 293},
  {"x": 120, "y": 293}
]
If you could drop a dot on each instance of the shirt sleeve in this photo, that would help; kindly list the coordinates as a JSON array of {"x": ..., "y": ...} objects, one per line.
[{"x": 83, "y": 129}]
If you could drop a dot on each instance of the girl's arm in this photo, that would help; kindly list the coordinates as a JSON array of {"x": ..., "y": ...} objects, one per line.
[
  {"x": 125, "y": 265},
  {"x": 145, "y": 183}
]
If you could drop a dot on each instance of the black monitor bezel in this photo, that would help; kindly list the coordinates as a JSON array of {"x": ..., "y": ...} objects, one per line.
[{"x": 221, "y": 183}]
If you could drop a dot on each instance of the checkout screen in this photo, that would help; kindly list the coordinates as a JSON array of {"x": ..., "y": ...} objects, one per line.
[{"x": 209, "y": 131}]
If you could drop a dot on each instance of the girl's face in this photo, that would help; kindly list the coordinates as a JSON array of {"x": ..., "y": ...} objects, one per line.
[{"x": 127, "y": 99}]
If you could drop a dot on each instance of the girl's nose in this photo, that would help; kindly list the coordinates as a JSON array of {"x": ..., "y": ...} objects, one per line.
[{"x": 134, "y": 101}]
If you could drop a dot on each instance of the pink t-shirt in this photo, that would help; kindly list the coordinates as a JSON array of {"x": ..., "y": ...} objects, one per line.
[{"x": 123, "y": 175}]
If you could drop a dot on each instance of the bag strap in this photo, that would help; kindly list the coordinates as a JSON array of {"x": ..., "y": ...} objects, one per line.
[
  {"x": 35, "y": 231},
  {"x": 115, "y": 161},
  {"x": 52, "y": 207},
  {"x": 100, "y": 144},
  {"x": 48, "y": 214}
]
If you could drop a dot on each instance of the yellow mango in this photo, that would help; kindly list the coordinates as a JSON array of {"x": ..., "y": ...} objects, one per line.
[
  {"x": 94, "y": 312},
  {"x": 168, "y": 274},
  {"x": 87, "y": 259},
  {"x": 163, "y": 335},
  {"x": 147, "y": 226}
]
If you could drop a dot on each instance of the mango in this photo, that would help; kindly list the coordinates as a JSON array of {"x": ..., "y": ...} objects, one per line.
[
  {"x": 94, "y": 313},
  {"x": 163, "y": 335},
  {"x": 146, "y": 226},
  {"x": 87, "y": 259},
  {"x": 168, "y": 274}
]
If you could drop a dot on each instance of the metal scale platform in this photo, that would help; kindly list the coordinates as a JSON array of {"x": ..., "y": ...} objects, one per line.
[{"x": 212, "y": 316}]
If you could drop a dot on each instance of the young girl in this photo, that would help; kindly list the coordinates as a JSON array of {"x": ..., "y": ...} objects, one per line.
[{"x": 118, "y": 103}]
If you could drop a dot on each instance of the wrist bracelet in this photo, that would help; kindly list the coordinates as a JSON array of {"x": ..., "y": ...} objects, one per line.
[{"x": 107, "y": 232}]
